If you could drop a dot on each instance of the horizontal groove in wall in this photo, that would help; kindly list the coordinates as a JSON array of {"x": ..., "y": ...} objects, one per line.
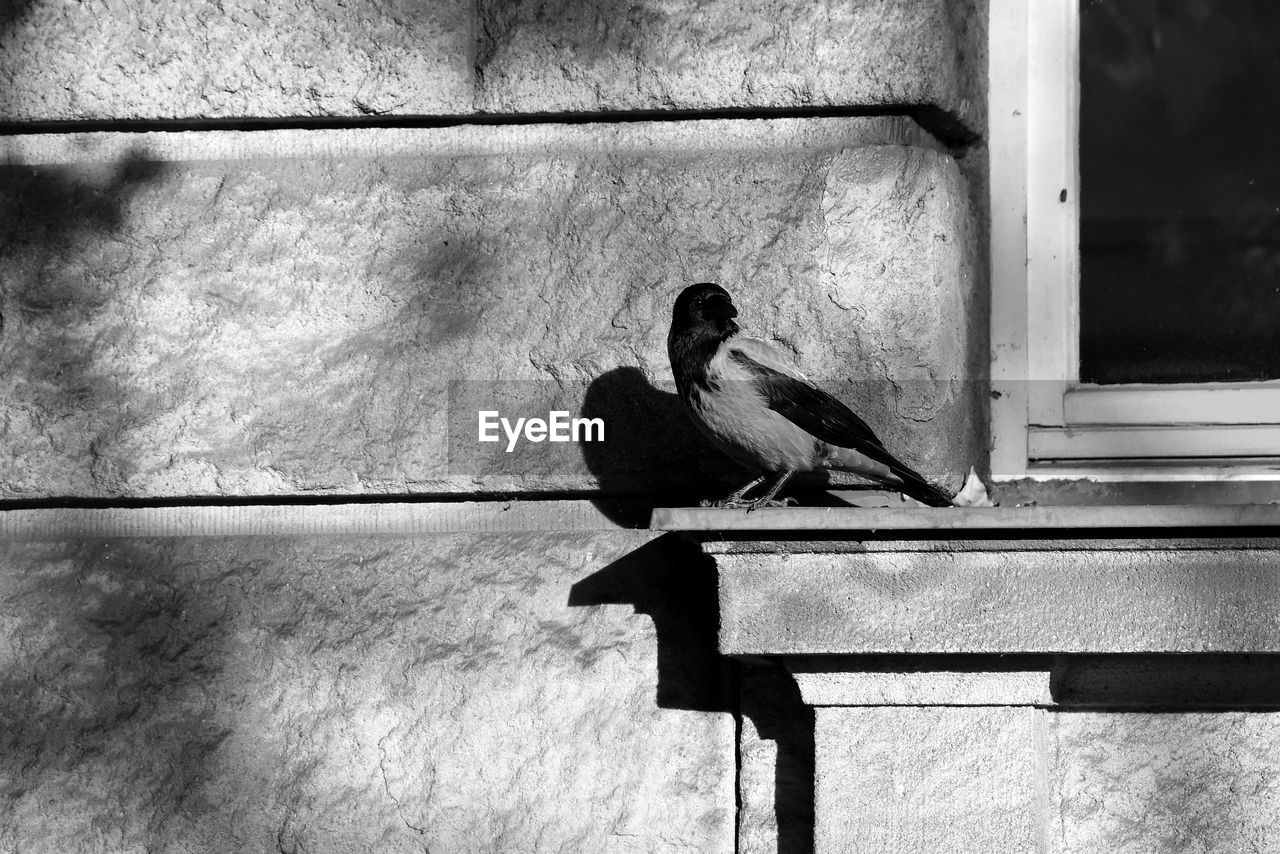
[
  {"x": 711, "y": 135},
  {"x": 286, "y": 520},
  {"x": 934, "y": 120}
]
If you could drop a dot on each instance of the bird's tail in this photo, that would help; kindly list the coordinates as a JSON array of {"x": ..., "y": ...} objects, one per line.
[
  {"x": 919, "y": 488},
  {"x": 873, "y": 462},
  {"x": 900, "y": 476}
]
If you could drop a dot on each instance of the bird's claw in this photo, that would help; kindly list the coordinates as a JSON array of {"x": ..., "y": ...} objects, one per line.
[
  {"x": 771, "y": 502},
  {"x": 742, "y": 503}
]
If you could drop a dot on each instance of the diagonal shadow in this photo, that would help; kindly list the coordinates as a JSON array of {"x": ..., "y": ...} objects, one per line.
[{"x": 671, "y": 581}]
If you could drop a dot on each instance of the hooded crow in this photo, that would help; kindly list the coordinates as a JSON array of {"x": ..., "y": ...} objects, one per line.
[{"x": 748, "y": 398}]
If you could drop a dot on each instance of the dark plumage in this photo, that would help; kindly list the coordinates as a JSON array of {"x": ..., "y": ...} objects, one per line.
[{"x": 753, "y": 403}]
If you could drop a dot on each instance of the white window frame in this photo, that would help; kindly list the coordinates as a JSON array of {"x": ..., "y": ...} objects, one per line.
[{"x": 1045, "y": 423}]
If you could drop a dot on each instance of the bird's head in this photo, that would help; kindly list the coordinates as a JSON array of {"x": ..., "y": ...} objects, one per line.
[{"x": 705, "y": 306}]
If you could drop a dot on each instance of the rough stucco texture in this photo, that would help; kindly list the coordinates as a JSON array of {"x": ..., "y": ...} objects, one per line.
[
  {"x": 1156, "y": 783},
  {"x": 925, "y": 780},
  {"x": 276, "y": 325},
  {"x": 143, "y": 59},
  {"x": 205, "y": 59},
  {"x": 578, "y": 56},
  {"x": 468, "y": 693},
  {"x": 1087, "y": 601}
]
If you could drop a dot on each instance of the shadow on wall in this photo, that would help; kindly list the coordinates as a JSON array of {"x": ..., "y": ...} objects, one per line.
[
  {"x": 453, "y": 280},
  {"x": 44, "y": 209},
  {"x": 52, "y": 203},
  {"x": 49, "y": 215},
  {"x": 109, "y": 698},
  {"x": 651, "y": 448},
  {"x": 674, "y": 583}
]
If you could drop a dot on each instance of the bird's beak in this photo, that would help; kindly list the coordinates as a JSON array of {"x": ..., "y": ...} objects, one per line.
[{"x": 721, "y": 307}]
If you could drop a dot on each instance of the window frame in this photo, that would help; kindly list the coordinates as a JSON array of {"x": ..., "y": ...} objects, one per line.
[{"x": 1045, "y": 423}]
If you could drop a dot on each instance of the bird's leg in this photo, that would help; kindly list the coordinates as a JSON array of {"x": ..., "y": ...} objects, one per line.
[
  {"x": 767, "y": 500},
  {"x": 735, "y": 500}
]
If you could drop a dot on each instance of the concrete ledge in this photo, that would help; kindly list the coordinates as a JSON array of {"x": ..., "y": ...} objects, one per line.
[
  {"x": 311, "y": 520},
  {"x": 1077, "y": 681},
  {"x": 1222, "y": 596},
  {"x": 940, "y": 660},
  {"x": 1080, "y": 518}
]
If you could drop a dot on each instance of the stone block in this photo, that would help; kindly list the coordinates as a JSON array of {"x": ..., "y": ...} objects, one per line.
[
  {"x": 341, "y": 694},
  {"x": 288, "y": 311},
  {"x": 143, "y": 59},
  {"x": 567, "y": 55},
  {"x": 1011, "y": 597},
  {"x": 1149, "y": 783},
  {"x": 927, "y": 780}
]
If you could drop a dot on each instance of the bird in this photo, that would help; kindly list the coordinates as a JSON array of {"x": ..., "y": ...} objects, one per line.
[{"x": 752, "y": 402}]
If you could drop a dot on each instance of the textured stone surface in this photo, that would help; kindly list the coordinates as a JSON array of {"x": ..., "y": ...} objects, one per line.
[
  {"x": 572, "y": 55},
  {"x": 971, "y": 600},
  {"x": 149, "y": 59},
  {"x": 958, "y": 687},
  {"x": 1164, "y": 783},
  {"x": 200, "y": 314},
  {"x": 251, "y": 58},
  {"x": 468, "y": 693},
  {"x": 926, "y": 780}
]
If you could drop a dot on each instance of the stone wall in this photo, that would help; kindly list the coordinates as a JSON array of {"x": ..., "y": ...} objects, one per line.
[
  {"x": 177, "y": 306},
  {"x": 459, "y": 692},
  {"x": 136, "y": 59},
  {"x": 178, "y": 309},
  {"x": 262, "y": 257},
  {"x": 1139, "y": 782},
  {"x": 281, "y": 252}
]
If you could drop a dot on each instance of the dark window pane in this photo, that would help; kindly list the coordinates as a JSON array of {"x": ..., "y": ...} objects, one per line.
[{"x": 1180, "y": 195}]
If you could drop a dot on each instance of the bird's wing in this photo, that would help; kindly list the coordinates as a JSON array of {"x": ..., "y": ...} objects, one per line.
[
  {"x": 764, "y": 353},
  {"x": 790, "y": 393}
]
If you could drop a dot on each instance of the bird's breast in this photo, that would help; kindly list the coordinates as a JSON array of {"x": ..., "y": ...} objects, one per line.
[{"x": 733, "y": 413}]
